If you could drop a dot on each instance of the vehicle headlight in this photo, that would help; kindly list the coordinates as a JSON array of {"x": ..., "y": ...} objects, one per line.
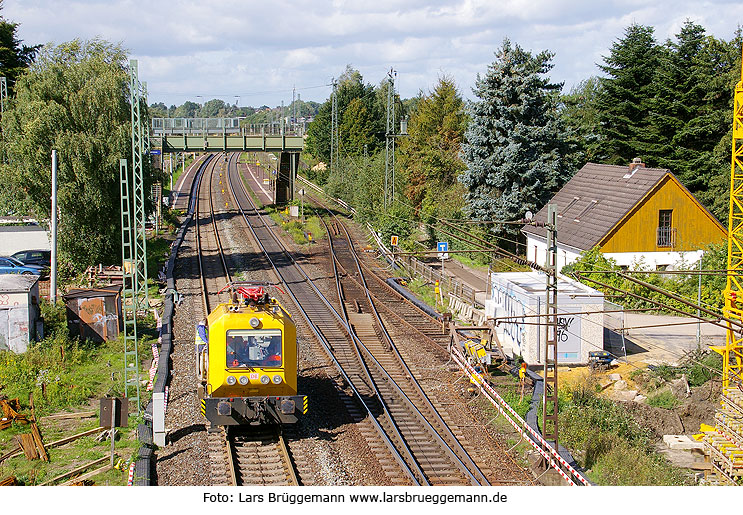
[
  {"x": 276, "y": 379},
  {"x": 231, "y": 380},
  {"x": 244, "y": 380},
  {"x": 255, "y": 323},
  {"x": 265, "y": 379}
]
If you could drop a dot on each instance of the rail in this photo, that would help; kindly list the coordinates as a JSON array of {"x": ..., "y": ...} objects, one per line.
[{"x": 290, "y": 286}]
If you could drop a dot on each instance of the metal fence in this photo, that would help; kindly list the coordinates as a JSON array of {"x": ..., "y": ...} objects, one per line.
[{"x": 450, "y": 285}]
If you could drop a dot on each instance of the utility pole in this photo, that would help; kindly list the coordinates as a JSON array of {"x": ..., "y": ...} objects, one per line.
[
  {"x": 53, "y": 272},
  {"x": 334, "y": 143},
  {"x": 549, "y": 416},
  {"x": 389, "y": 153}
]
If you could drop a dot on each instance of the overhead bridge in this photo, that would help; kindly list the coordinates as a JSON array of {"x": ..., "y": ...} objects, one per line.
[
  {"x": 224, "y": 135},
  {"x": 232, "y": 135}
]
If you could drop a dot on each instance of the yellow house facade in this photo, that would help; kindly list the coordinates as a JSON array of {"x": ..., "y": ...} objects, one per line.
[
  {"x": 668, "y": 218},
  {"x": 632, "y": 213}
]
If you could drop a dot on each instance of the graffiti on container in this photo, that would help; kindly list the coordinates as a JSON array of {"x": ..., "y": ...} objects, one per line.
[
  {"x": 514, "y": 310},
  {"x": 563, "y": 327},
  {"x": 4, "y": 299},
  {"x": 99, "y": 318}
]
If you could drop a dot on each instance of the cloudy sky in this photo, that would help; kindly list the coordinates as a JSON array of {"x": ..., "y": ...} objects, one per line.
[{"x": 254, "y": 52}]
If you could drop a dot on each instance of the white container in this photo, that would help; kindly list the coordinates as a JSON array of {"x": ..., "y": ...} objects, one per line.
[
  {"x": 516, "y": 297},
  {"x": 19, "y": 311}
]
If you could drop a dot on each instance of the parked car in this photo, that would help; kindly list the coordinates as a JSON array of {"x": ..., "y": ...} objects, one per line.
[
  {"x": 34, "y": 257},
  {"x": 9, "y": 265}
]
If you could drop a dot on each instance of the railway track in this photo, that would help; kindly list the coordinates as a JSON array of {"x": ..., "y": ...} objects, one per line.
[
  {"x": 238, "y": 455},
  {"x": 403, "y": 430},
  {"x": 361, "y": 293}
]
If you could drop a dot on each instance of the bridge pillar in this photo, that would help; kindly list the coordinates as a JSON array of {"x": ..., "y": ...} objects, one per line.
[{"x": 287, "y": 174}]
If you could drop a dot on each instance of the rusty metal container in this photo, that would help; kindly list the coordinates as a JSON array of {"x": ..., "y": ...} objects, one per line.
[{"x": 94, "y": 313}]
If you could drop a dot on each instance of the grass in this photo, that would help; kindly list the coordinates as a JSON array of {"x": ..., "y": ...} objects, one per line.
[
  {"x": 613, "y": 447},
  {"x": 424, "y": 291},
  {"x": 664, "y": 399},
  {"x": 67, "y": 374}
]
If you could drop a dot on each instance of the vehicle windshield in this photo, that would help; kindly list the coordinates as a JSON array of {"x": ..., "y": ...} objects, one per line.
[
  {"x": 253, "y": 348},
  {"x": 15, "y": 261}
]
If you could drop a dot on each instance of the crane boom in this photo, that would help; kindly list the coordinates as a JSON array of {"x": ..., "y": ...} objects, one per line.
[{"x": 724, "y": 444}]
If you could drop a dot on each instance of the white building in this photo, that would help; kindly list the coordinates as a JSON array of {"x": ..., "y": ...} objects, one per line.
[
  {"x": 516, "y": 298},
  {"x": 14, "y": 238}
]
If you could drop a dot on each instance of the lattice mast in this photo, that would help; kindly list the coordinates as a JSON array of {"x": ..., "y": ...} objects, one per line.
[
  {"x": 334, "y": 135},
  {"x": 725, "y": 445},
  {"x": 389, "y": 152},
  {"x": 140, "y": 149}
]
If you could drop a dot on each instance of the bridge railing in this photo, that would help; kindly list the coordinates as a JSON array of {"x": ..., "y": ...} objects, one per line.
[{"x": 162, "y": 126}]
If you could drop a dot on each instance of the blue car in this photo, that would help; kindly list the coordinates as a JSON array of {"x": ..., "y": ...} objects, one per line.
[{"x": 9, "y": 265}]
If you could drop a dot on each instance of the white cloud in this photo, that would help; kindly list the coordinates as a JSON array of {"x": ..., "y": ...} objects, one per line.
[{"x": 257, "y": 50}]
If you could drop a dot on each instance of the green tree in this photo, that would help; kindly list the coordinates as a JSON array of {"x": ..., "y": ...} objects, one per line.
[
  {"x": 625, "y": 98},
  {"x": 15, "y": 57},
  {"x": 187, "y": 110},
  {"x": 515, "y": 145},
  {"x": 580, "y": 114},
  {"x": 367, "y": 124},
  {"x": 74, "y": 99},
  {"x": 158, "y": 110},
  {"x": 212, "y": 109},
  {"x": 691, "y": 105},
  {"x": 357, "y": 127},
  {"x": 430, "y": 153}
]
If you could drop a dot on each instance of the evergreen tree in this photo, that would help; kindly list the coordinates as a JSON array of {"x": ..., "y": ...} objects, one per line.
[
  {"x": 514, "y": 145},
  {"x": 689, "y": 108},
  {"x": 430, "y": 153},
  {"x": 625, "y": 98},
  {"x": 579, "y": 112},
  {"x": 15, "y": 58}
]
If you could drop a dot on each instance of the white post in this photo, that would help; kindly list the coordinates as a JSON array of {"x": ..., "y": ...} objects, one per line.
[
  {"x": 53, "y": 271},
  {"x": 699, "y": 303},
  {"x": 158, "y": 418}
]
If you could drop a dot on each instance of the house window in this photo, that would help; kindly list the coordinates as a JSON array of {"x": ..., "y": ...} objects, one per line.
[{"x": 666, "y": 233}]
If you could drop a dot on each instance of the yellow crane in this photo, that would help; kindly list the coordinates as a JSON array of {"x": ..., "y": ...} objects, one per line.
[{"x": 724, "y": 442}]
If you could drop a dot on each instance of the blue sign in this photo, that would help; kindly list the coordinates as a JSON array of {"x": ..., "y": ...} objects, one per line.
[
  {"x": 443, "y": 246},
  {"x": 155, "y": 151}
]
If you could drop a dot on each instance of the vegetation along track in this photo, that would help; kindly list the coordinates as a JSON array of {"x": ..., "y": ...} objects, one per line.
[
  {"x": 362, "y": 291},
  {"x": 238, "y": 455}
]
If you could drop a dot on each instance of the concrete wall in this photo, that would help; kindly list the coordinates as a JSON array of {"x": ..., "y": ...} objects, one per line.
[{"x": 14, "y": 238}]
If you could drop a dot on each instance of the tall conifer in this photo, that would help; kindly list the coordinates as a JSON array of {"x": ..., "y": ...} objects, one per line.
[{"x": 514, "y": 145}]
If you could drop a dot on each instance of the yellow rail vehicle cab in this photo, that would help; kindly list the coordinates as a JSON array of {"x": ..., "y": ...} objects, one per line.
[{"x": 249, "y": 368}]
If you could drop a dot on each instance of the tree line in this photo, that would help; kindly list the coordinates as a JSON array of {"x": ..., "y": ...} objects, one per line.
[
  {"x": 218, "y": 108},
  {"x": 509, "y": 150},
  {"x": 463, "y": 167}
]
